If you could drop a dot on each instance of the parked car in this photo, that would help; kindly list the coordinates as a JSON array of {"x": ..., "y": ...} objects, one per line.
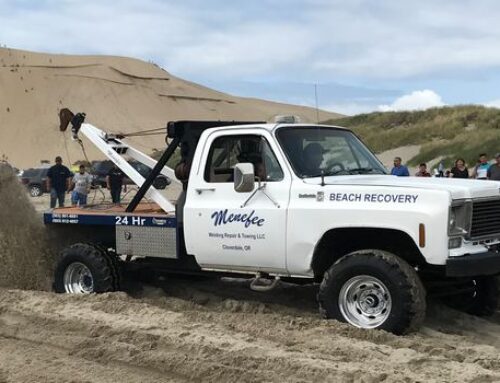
[
  {"x": 35, "y": 180},
  {"x": 100, "y": 170}
]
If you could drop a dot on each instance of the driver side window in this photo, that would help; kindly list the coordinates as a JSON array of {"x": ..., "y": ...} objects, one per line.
[{"x": 227, "y": 151}]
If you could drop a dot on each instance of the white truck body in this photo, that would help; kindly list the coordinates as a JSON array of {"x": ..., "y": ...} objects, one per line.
[
  {"x": 306, "y": 202},
  {"x": 285, "y": 240}
]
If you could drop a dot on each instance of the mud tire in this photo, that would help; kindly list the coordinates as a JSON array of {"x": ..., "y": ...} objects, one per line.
[
  {"x": 407, "y": 293},
  {"x": 103, "y": 266}
]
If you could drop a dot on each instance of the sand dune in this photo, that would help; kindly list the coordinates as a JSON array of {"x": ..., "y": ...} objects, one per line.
[
  {"x": 405, "y": 152},
  {"x": 118, "y": 94}
]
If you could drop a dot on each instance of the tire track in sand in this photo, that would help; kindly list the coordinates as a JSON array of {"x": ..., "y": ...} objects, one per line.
[{"x": 219, "y": 339}]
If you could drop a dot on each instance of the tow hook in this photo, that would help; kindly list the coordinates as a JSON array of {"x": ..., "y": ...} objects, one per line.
[{"x": 263, "y": 283}]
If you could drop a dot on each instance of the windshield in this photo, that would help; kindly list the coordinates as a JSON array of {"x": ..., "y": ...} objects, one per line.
[{"x": 314, "y": 151}]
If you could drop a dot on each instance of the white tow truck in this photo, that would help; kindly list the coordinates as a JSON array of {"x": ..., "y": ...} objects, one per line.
[{"x": 296, "y": 202}]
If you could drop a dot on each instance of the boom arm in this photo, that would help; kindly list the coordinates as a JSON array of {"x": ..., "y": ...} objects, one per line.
[{"x": 115, "y": 149}]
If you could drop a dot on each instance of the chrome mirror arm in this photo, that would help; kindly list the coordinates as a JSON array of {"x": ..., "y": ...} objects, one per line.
[{"x": 261, "y": 187}]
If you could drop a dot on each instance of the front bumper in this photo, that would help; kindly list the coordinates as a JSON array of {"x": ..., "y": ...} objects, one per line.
[{"x": 474, "y": 265}]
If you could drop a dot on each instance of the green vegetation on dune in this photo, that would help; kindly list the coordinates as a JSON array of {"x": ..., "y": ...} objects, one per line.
[{"x": 448, "y": 132}]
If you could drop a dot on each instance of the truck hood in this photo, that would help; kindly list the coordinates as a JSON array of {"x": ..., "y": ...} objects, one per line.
[{"x": 458, "y": 188}]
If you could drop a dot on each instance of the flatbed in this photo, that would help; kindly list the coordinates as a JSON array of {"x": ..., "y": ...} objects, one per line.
[
  {"x": 148, "y": 231},
  {"x": 146, "y": 214}
]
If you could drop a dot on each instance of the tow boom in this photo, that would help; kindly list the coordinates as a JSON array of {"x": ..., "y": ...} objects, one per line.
[{"x": 116, "y": 150}]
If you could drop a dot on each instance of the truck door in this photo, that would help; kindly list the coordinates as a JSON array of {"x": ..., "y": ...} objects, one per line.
[{"x": 230, "y": 230}]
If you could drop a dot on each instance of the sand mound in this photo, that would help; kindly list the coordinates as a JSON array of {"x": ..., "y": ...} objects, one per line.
[
  {"x": 26, "y": 258},
  {"x": 405, "y": 152}
]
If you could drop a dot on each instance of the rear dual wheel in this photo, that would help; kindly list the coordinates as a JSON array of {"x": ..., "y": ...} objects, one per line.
[{"x": 86, "y": 268}]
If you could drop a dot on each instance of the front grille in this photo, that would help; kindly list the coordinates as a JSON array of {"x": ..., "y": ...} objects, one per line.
[{"x": 485, "y": 218}]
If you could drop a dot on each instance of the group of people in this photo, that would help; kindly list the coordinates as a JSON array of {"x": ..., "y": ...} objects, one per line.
[
  {"x": 483, "y": 170},
  {"x": 60, "y": 181}
]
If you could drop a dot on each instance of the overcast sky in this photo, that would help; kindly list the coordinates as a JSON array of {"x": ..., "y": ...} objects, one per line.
[{"x": 364, "y": 55}]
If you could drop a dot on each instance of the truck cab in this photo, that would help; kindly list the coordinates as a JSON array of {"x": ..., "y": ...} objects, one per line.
[{"x": 311, "y": 203}]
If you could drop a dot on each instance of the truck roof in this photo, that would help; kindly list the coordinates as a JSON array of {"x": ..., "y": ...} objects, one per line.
[
  {"x": 189, "y": 129},
  {"x": 273, "y": 126}
]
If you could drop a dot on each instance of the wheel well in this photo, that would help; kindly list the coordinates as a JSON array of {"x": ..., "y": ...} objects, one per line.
[{"x": 336, "y": 243}]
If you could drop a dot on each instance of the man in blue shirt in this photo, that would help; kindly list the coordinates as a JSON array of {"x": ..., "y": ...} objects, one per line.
[
  {"x": 58, "y": 178},
  {"x": 398, "y": 169}
]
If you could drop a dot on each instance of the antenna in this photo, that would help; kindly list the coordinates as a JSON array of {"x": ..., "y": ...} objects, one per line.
[{"x": 316, "y": 100}]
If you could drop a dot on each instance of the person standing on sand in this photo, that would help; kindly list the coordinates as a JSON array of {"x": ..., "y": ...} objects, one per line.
[
  {"x": 114, "y": 183},
  {"x": 82, "y": 181},
  {"x": 494, "y": 170},
  {"x": 481, "y": 169},
  {"x": 459, "y": 170},
  {"x": 399, "y": 169},
  {"x": 58, "y": 178}
]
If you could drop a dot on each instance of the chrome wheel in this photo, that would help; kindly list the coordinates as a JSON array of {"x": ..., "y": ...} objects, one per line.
[
  {"x": 365, "y": 301},
  {"x": 78, "y": 279}
]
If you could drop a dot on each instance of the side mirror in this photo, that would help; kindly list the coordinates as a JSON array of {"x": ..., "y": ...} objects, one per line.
[{"x": 244, "y": 178}]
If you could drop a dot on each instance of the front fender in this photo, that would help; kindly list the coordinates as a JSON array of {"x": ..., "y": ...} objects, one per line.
[{"x": 309, "y": 220}]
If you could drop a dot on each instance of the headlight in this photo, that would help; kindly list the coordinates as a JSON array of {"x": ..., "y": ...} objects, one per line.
[
  {"x": 460, "y": 218},
  {"x": 453, "y": 218}
]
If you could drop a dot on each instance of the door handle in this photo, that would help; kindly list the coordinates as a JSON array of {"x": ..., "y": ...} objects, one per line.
[{"x": 201, "y": 190}]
